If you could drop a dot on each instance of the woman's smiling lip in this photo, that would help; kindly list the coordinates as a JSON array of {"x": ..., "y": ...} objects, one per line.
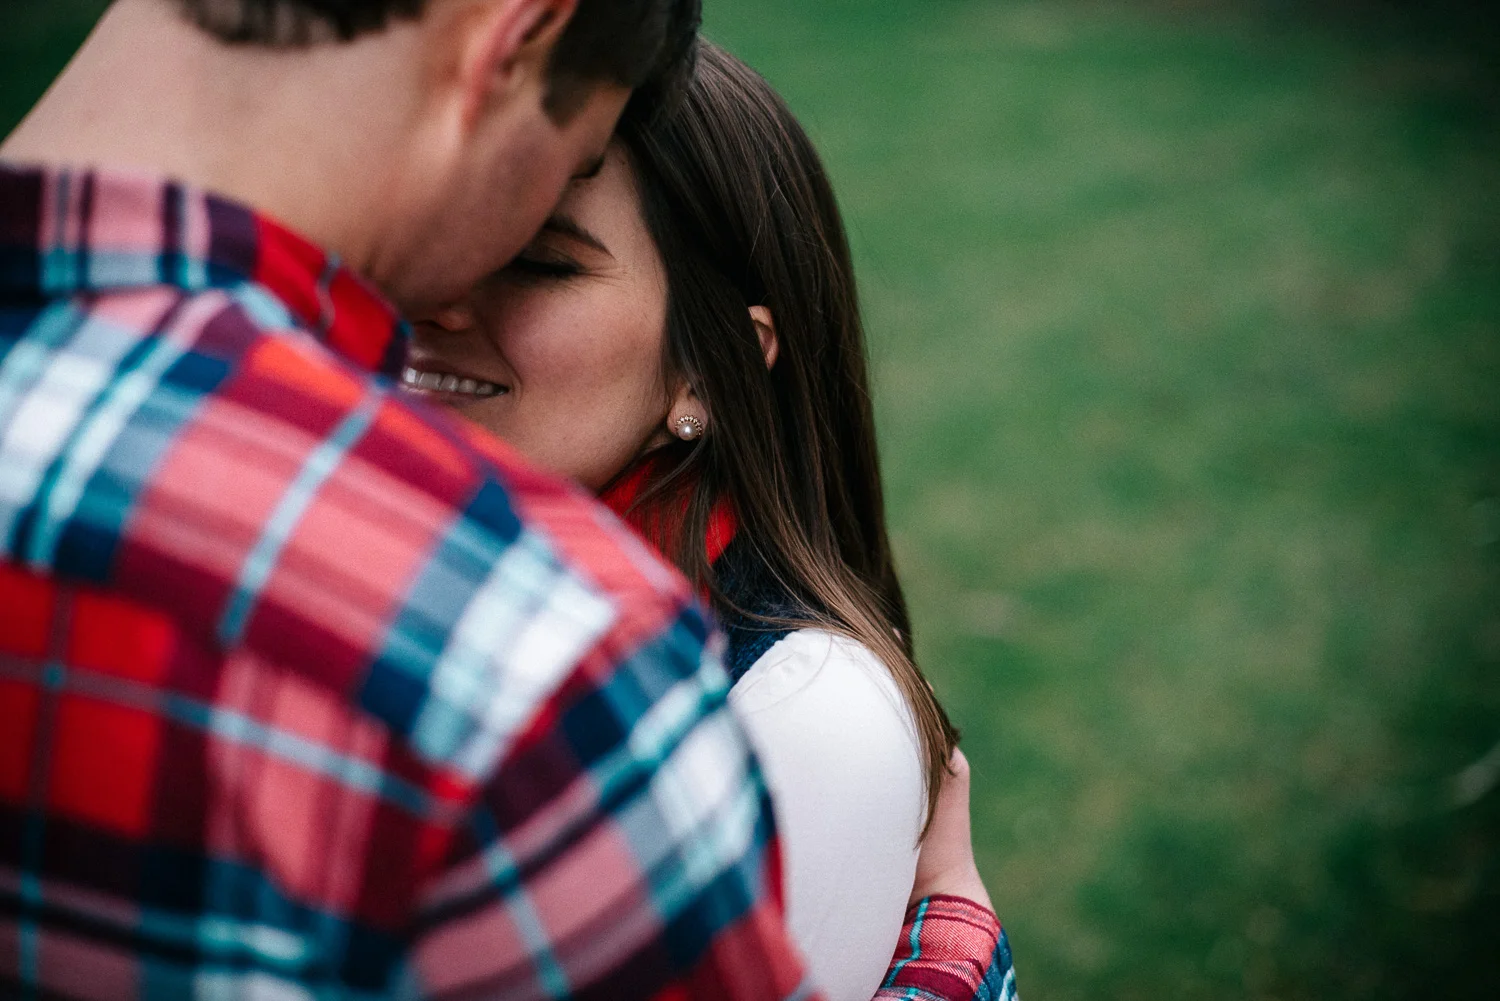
[{"x": 430, "y": 379}]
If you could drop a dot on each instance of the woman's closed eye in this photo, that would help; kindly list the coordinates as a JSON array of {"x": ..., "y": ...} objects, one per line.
[
  {"x": 541, "y": 265},
  {"x": 545, "y": 261}
]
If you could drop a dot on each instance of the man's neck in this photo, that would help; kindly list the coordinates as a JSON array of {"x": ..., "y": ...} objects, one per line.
[{"x": 304, "y": 135}]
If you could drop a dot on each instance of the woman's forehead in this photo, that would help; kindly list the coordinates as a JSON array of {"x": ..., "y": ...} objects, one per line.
[
  {"x": 612, "y": 189},
  {"x": 608, "y": 206}
]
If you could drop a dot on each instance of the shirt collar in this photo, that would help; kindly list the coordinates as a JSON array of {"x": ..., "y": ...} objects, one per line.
[{"x": 66, "y": 232}]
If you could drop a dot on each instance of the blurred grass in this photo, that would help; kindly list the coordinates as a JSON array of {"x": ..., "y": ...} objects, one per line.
[
  {"x": 1187, "y": 331},
  {"x": 1186, "y": 320}
]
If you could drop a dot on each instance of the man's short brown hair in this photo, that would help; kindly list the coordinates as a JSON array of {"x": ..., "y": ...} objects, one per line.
[{"x": 646, "y": 45}]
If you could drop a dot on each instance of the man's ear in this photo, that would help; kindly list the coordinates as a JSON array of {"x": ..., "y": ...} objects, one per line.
[
  {"x": 507, "y": 46},
  {"x": 765, "y": 329}
]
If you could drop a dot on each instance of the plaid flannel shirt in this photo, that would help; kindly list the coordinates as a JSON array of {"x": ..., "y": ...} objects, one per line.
[{"x": 307, "y": 690}]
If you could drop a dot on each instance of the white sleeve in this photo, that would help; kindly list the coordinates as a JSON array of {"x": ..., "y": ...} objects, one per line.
[{"x": 840, "y": 754}]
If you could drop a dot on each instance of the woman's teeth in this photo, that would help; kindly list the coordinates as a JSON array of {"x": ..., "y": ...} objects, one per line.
[{"x": 437, "y": 382}]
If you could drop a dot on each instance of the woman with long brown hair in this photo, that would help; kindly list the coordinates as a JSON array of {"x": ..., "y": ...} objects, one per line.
[{"x": 684, "y": 338}]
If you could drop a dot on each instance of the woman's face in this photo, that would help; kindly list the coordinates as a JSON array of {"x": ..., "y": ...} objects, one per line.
[{"x": 561, "y": 352}]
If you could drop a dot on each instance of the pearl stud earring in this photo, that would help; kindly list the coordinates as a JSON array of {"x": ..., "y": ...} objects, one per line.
[{"x": 688, "y": 427}]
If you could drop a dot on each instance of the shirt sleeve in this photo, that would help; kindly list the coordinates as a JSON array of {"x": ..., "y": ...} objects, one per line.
[
  {"x": 951, "y": 949},
  {"x": 624, "y": 849},
  {"x": 841, "y": 756}
]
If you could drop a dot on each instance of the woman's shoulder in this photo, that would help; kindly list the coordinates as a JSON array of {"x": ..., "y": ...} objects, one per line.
[
  {"x": 824, "y": 675},
  {"x": 841, "y": 759}
]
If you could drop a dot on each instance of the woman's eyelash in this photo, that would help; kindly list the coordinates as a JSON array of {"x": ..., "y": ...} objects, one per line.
[{"x": 536, "y": 267}]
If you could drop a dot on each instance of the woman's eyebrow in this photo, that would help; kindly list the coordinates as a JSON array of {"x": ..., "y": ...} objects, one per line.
[
  {"x": 591, "y": 171},
  {"x": 563, "y": 226}
]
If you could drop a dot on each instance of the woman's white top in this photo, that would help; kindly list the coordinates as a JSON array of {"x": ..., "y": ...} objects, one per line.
[{"x": 840, "y": 753}]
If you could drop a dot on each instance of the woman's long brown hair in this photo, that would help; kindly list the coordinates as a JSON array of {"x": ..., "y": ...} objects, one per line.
[{"x": 742, "y": 212}]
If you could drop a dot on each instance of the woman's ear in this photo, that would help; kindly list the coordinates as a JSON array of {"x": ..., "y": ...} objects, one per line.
[{"x": 765, "y": 329}]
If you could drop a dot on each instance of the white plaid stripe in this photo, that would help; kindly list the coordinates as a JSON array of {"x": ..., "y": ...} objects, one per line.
[
  {"x": 694, "y": 706},
  {"x": 121, "y": 269},
  {"x": 520, "y": 635},
  {"x": 698, "y": 816},
  {"x": 699, "y": 777},
  {"x": 247, "y": 987},
  {"x": 29, "y": 357},
  {"x": 705, "y": 795},
  {"x": 546, "y": 978},
  {"x": 63, "y": 383},
  {"x": 124, "y": 396}
]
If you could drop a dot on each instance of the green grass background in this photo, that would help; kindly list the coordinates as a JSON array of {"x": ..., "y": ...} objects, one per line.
[{"x": 1186, "y": 326}]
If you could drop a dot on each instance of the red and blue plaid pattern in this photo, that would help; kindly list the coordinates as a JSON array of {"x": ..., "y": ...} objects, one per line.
[
  {"x": 951, "y": 948},
  {"x": 307, "y": 690}
]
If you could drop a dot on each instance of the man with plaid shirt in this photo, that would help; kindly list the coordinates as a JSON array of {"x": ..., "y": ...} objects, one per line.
[{"x": 307, "y": 690}]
